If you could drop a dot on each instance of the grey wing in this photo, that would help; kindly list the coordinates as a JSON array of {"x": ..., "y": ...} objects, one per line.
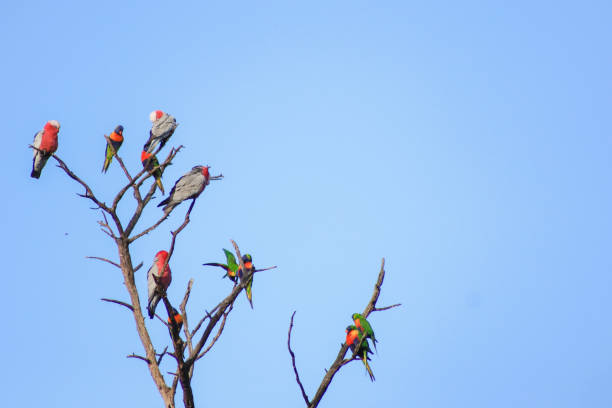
[
  {"x": 37, "y": 140},
  {"x": 189, "y": 185},
  {"x": 164, "y": 126},
  {"x": 151, "y": 284}
]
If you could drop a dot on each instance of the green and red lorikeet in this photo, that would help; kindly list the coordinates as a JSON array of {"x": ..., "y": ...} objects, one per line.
[
  {"x": 230, "y": 268},
  {"x": 157, "y": 281},
  {"x": 234, "y": 271},
  {"x": 45, "y": 143},
  {"x": 353, "y": 337},
  {"x": 365, "y": 327},
  {"x": 149, "y": 162},
  {"x": 116, "y": 139},
  {"x": 247, "y": 260},
  {"x": 178, "y": 319}
]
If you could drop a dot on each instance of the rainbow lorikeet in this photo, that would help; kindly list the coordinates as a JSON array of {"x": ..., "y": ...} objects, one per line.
[
  {"x": 247, "y": 260},
  {"x": 149, "y": 162},
  {"x": 353, "y": 337},
  {"x": 178, "y": 320},
  {"x": 116, "y": 139},
  {"x": 365, "y": 327},
  {"x": 230, "y": 268}
]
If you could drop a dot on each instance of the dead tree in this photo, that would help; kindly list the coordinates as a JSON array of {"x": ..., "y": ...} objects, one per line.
[
  {"x": 196, "y": 341},
  {"x": 340, "y": 361},
  {"x": 200, "y": 339}
]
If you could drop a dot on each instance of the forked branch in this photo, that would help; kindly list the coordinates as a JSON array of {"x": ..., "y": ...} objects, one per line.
[{"x": 340, "y": 360}]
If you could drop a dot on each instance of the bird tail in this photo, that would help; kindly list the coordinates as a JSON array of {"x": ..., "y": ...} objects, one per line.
[
  {"x": 159, "y": 184},
  {"x": 153, "y": 304},
  {"x": 107, "y": 163},
  {"x": 108, "y": 157},
  {"x": 367, "y": 366},
  {"x": 38, "y": 163},
  {"x": 164, "y": 202},
  {"x": 249, "y": 292}
]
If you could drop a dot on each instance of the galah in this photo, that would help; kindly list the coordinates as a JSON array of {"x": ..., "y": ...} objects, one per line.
[
  {"x": 116, "y": 139},
  {"x": 157, "y": 281},
  {"x": 353, "y": 337},
  {"x": 149, "y": 162},
  {"x": 189, "y": 186},
  {"x": 363, "y": 325},
  {"x": 163, "y": 127},
  {"x": 45, "y": 143}
]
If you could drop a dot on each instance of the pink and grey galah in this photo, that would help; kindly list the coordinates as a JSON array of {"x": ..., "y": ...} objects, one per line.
[
  {"x": 189, "y": 186},
  {"x": 45, "y": 143},
  {"x": 157, "y": 281},
  {"x": 163, "y": 127}
]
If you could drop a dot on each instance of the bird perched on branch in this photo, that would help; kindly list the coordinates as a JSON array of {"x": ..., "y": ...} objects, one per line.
[
  {"x": 178, "y": 319},
  {"x": 163, "y": 127},
  {"x": 234, "y": 271},
  {"x": 247, "y": 260},
  {"x": 363, "y": 325},
  {"x": 189, "y": 186},
  {"x": 230, "y": 268},
  {"x": 45, "y": 144},
  {"x": 149, "y": 162},
  {"x": 158, "y": 280},
  {"x": 353, "y": 336},
  {"x": 116, "y": 139}
]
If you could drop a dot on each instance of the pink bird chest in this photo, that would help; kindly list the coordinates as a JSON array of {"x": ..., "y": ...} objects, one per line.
[
  {"x": 48, "y": 141},
  {"x": 166, "y": 277}
]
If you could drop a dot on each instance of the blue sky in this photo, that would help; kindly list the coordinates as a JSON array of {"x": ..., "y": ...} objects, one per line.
[{"x": 468, "y": 144}]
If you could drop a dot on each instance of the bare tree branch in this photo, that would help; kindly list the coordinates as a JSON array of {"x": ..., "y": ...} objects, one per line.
[
  {"x": 162, "y": 355},
  {"x": 182, "y": 308},
  {"x": 104, "y": 260},
  {"x": 143, "y": 202},
  {"x": 214, "y": 340},
  {"x": 151, "y": 228},
  {"x": 295, "y": 370},
  {"x": 139, "y": 357},
  {"x": 119, "y": 303},
  {"x": 340, "y": 361},
  {"x": 117, "y": 158},
  {"x": 380, "y": 309},
  {"x": 88, "y": 192}
]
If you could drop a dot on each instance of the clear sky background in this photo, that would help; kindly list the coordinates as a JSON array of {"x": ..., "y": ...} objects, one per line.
[{"x": 468, "y": 143}]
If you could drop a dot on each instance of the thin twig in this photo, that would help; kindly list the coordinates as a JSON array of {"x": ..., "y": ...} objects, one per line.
[
  {"x": 264, "y": 269},
  {"x": 295, "y": 370},
  {"x": 214, "y": 340},
  {"x": 182, "y": 308},
  {"x": 139, "y": 357},
  {"x": 104, "y": 260},
  {"x": 151, "y": 228},
  {"x": 119, "y": 303},
  {"x": 88, "y": 192},
  {"x": 162, "y": 355},
  {"x": 340, "y": 361},
  {"x": 380, "y": 309}
]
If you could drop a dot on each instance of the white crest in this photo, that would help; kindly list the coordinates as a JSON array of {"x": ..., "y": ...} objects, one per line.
[{"x": 54, "y": 123}]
